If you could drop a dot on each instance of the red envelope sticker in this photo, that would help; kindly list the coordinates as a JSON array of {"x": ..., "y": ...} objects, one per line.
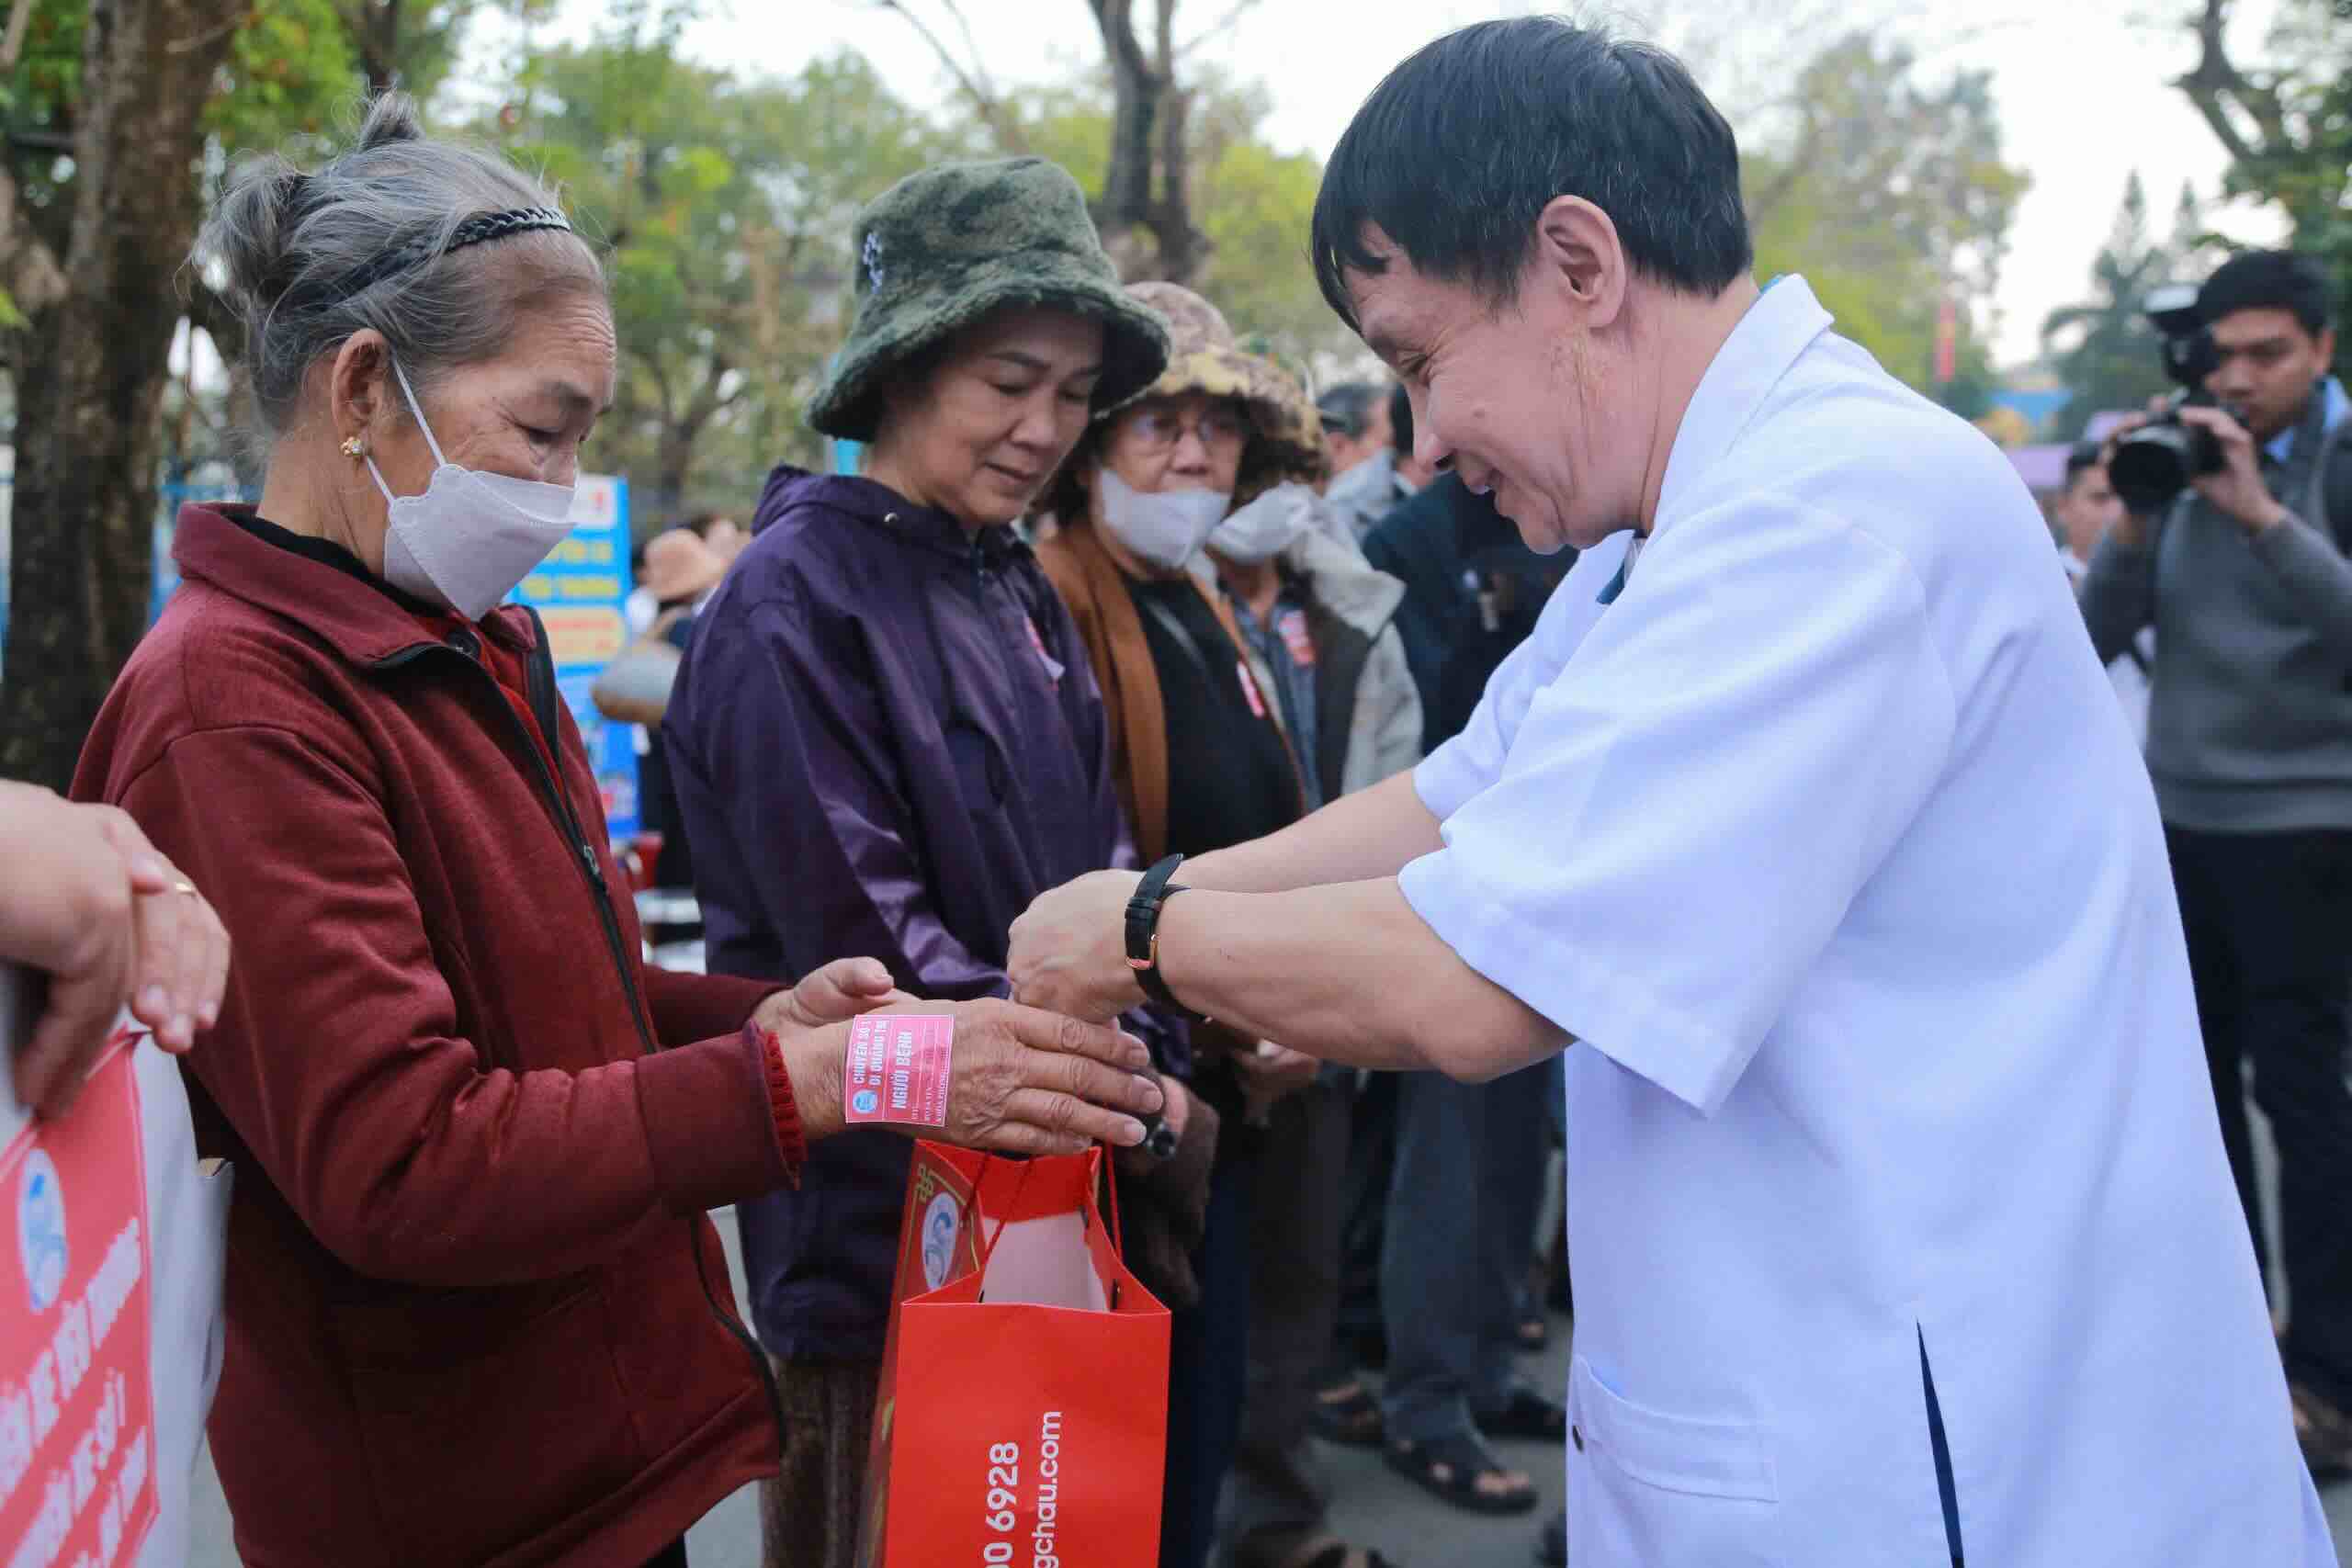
[
  {"x": 897, "y": 1069},
  {"x": 1249, "y": 688},
  {"x": 1291, "y": 624},
  {"x": 1053, "y": 666}
]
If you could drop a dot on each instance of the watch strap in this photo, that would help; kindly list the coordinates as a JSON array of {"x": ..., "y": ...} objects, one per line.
[{"x": 1151, "y": 896}]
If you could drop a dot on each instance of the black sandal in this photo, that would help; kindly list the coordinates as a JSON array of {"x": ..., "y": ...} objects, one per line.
[
  {"x": 1346, "y": 1415},
  {"x": 1450, "y": 1469},
  {"x": 2324, "y": 1433},
  {"x": 1527, "y": 1415}
]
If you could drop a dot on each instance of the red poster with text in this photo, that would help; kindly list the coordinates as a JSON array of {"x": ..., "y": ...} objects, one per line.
[{"x": 77, "y": 1455}]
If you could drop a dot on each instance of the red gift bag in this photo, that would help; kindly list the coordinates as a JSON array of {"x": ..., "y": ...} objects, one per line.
[{"x": 1023, "y": 1417}]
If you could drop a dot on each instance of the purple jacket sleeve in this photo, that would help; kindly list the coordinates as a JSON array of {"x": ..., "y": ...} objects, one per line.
[{"x": 801, "y": 761}]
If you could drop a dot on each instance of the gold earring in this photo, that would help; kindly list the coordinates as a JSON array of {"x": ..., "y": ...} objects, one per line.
[{"x": 356, "y": 447}]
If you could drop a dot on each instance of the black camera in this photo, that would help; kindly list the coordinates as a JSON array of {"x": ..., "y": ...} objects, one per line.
[{"x": 2154, "y": 463}]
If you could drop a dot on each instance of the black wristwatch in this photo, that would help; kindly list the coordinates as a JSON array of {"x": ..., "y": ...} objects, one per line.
[{"x": 1151, "y": 896}]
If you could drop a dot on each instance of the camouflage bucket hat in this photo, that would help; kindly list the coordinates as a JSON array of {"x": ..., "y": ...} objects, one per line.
[
  {"x": 945, "y": 248},
  {"x": 1287, "y": 441}
]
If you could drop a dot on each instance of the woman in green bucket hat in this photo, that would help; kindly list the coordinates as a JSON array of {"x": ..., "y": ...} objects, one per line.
[{"x": 886, "y": 737}]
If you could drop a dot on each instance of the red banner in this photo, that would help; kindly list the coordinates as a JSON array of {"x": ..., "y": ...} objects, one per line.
[{"x": 77, "y": 1439}]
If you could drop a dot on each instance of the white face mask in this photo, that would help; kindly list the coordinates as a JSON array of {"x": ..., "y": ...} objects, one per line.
[
  {"x": 1266, "y": 528},
  {"x": 471, "y": 537},
  {"x": 1165, "y": 527}
]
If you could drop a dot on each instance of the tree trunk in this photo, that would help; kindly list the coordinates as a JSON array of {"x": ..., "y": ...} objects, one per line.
[
  {"x": 674, "y": 456},
  {"x": 376, "y": 33},
  {"x": 1135, "y": 97},
  {"x": 1183, "y": 249},
  {"x": 89, "y": 395},
  {"x": 680, "y": 433}
]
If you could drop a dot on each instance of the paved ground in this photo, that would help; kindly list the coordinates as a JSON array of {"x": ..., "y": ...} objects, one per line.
[{"x": 1373, "y": 1508}]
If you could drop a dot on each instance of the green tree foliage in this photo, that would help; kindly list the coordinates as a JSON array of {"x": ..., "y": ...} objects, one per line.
[
  {"x": 727, "y": 202},
  {"x": 2104, "y": 350},
  {"x": 2286, "y": 122},
  {"x": 293, "y": 71},
  {"x": 1251, "y": 199},
  {"x": 1889, "y": 194}
]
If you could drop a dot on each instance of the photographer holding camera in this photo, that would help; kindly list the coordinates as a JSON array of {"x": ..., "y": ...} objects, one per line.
[{"x": 2238, "y": 497}]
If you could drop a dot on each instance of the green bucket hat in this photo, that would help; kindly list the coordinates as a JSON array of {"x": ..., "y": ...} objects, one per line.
[{"x": 943, "y": 249}]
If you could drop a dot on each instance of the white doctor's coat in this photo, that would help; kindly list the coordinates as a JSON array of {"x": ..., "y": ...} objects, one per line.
[{"x": 1828, "y": 842}]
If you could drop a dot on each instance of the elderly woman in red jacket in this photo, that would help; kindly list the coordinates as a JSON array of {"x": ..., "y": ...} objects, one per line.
[{"x": 474, "y": 1306}]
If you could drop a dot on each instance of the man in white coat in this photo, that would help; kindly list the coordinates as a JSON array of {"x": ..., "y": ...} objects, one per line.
[{"x": 1900, "y": 1218}]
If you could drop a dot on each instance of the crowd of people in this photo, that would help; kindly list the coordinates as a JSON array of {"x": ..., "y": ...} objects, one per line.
[
  {"x": 2225, "y": 621},
  {"x": 1893, "y": 1165}
]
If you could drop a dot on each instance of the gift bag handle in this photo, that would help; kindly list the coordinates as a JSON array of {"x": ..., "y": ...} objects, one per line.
[
  {"x": 988, "y": 1250},
  {"x": 1111, "y": 1186}
]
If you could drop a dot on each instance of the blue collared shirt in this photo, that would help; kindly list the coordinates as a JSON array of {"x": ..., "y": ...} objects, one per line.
[{"x": 2282, "y": 445}]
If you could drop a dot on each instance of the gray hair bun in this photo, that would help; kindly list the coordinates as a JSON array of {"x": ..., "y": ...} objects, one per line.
[{"x": 300, "y": 256}]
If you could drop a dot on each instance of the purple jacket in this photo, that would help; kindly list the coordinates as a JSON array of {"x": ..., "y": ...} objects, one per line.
[{"x": 886, "y": 740}]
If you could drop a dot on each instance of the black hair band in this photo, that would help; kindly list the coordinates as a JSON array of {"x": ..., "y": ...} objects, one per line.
[{"x": 480, "y": 229}]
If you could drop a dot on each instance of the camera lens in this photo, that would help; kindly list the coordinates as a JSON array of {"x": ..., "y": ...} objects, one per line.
[
  {"x": 2204, "y": 452},
  {"x": 2152, "y": 465}
]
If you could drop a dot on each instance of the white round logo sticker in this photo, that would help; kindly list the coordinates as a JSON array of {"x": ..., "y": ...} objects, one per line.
[
  {"x": 41, "y": 1229},
  {"x": 940, "y": 1223}
]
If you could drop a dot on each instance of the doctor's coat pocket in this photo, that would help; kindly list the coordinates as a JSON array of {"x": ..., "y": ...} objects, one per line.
[{"x": 1667, "y": 1491}]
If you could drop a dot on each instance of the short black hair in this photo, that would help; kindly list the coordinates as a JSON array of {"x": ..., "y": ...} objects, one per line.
[
  {"x": 1346, "y": 407},
  {"x": 1457, "y": 152},
  {"x": 2268, "y": 280},
  {"x": 1400, "y": 421},
  {"x": 2083, "y": 457}
]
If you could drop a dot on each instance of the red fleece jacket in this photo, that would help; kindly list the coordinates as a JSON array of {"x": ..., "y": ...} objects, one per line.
[{"x": 465, "y": 1324}]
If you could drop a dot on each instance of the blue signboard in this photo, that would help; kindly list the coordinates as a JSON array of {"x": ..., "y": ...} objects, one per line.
[{"x": 579, "y": 592}]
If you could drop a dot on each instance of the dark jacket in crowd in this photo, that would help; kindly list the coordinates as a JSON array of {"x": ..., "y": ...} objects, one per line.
[
  {"x": 1473, "y": 591},
  {"x": 2250, "y": 704},
  {"x": 473, "y": 1135},
  {"x": 885, "y": 741},
  {"x": 657, "y": 798}
]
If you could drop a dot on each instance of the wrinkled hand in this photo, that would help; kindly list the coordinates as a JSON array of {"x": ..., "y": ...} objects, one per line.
[
  {"x": 1270, "y": 1074},
  {"x": 1023, "y": 1081},
  {"x": 2237, "y": 489},
  {"x": 1070, "y": 949},
  {"x": 839, "y": 991},
  {"x": 1035, "y": 1083},
  {"x": 91, "y": 903}
]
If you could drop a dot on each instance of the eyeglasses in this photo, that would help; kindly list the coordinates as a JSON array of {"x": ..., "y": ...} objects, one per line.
[{"x": 1160, "y": 430}]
